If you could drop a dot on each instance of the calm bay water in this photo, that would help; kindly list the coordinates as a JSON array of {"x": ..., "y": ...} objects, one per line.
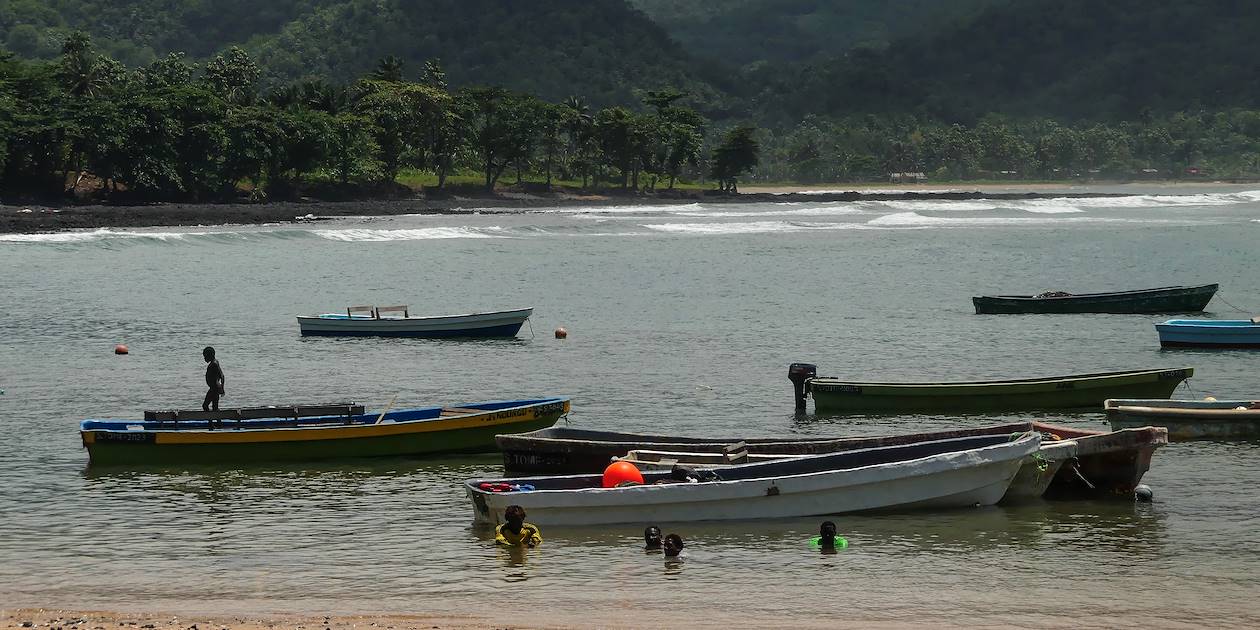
[{"x": 682, "y": 319}]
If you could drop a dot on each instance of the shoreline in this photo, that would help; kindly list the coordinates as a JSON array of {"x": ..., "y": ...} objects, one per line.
[{"x": 38, "y": 218}]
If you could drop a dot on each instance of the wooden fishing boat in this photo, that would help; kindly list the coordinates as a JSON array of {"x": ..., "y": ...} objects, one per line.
[
  {"x": 955, "y": 473},
  {"x": 269, "y": 434},
  {"x": 1209, "y": 333},
  {"x": 1056, "y": 392},
  {"x": 1189, "y": 419},
  {"x": 1112, "y": 463},
  {"x": 1179, "y": 299},
  {"x": 1107, "y": 465},
  {"x": 397, "y": 321},
  {"x": 1034, "y": 477}
]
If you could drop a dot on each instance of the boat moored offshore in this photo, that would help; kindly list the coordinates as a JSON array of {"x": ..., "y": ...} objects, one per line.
[
  {"x": 397, "y": 321},
  {"x": 1179, "y": 299},
  {"x": 835, "y": 395}
]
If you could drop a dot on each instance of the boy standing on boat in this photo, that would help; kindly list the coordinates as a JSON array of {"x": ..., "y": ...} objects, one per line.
[{"x": 214, "y": 381}]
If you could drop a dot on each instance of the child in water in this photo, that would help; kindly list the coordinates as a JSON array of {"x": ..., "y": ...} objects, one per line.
[
  {"x": 515, "y": 532},
  {"x": 652, "y": 538},
  {"x": 827, "y": 538},
  {"x": 673, "y": 545}
]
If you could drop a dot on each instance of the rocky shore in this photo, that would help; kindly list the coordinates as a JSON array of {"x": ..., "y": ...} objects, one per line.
[{"x": 28, "y": 218}]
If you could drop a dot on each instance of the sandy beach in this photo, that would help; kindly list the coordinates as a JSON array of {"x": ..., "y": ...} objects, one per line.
[
  {"x": 29, "y": 218},
  {"x": 104, "y": 620}
]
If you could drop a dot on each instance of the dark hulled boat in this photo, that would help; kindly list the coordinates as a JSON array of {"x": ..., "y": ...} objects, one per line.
[{"x": 1161, "y": 300}]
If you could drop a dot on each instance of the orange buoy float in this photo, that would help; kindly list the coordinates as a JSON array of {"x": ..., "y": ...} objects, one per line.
[
  {"x": 561, "y": 333},
  {"x": 121, "y": 349},
  {"x": 618, "y": 473}
]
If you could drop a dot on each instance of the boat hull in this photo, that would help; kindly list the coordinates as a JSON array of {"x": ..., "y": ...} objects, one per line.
[
  {"x": 949, "y": 480},
  {"x": 1189, "y": 419},
  {"x": 1115, "y": 462},
  {"x": 1190, "y": 333},
  {"x": 1107, "y": 465},
  {"x": 1161, "y": 300},
  {"x": 1067, "y": 392},
  {"x": 496, "y": 324},
  {"x": 396, "y": 437}
]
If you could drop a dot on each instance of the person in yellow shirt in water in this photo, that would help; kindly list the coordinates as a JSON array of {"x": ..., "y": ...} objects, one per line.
[{"x": 515, "y": 532}]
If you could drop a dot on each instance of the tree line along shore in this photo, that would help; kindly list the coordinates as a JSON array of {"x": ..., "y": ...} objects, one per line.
[{"x": 84, "y": 128}]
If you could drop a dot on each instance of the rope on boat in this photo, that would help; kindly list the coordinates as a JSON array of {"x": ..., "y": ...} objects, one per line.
[
  {"x": 531, "y": 328},
  {"x": 1240, "y": 310},
  {"x": 1190, "y": 389}
]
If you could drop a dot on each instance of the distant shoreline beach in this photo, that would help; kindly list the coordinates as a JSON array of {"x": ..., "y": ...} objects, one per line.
[{"x": 34, "y": 218}]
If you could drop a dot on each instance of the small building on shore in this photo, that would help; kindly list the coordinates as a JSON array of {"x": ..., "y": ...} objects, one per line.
[{"x": 906, "y": 178}]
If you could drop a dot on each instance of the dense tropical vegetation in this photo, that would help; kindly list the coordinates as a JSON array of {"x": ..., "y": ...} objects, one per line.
[
  {"x": 164, "y": 99},
  {"x": 174, "y": 129}
]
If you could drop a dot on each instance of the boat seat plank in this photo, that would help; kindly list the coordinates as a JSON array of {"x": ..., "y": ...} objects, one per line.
[
  {"x": 254, "y": 413},
  {"x": 460, "y": 411}
]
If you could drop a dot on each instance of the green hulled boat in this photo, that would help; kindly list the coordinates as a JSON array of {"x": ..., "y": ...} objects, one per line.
[
  {"x": 270, "y": 434},
  {"x": 1055, "y": 392}
]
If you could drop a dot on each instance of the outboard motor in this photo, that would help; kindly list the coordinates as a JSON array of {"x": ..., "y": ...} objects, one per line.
[{"x": 799, "y": 374}]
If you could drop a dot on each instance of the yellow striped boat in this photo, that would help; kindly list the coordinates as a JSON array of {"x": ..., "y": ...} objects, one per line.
[{"x": 269, "y": 434}]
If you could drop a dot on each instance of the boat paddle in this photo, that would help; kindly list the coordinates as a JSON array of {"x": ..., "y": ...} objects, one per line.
[{"x": 386, "y": 410}]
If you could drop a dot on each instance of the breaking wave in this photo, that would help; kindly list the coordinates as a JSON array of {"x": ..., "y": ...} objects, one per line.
[
  {"x": 751, "y": 227},
  {"x": 365, "y": 235}
]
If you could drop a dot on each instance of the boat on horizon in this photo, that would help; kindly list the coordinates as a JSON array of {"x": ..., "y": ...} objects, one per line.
[
  {"x": 1111, "y": 463},
  {"x": 1176, "y": 299},
  {"x": 1209, "y": 333},
  {"x": 1189, "y": 419},
  {"x": 941, "y": 474},
  {"x": 1072, "y": 391},
  {"x": 311, "y": 432},
  {"x": 371, "y": 321}
]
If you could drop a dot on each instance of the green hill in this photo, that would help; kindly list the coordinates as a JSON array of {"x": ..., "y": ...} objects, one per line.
[
  {"x": 553, "y": 48},
  {"x": 1061, "y": 58},
  {"x": 750, "y": 31}
]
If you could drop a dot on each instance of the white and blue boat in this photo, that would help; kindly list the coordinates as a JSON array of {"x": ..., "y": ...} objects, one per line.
[
  {"x": 397, "y": 321},
  {"x": 1209, "y": 333},
  {"x": 937, "y": 474}
]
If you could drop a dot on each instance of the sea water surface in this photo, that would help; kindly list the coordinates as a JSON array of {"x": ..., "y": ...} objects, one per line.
[{"x": 682, "y": 319}]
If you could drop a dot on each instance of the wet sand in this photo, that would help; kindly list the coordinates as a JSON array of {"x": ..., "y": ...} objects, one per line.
[{"x": 53, "y": 619}]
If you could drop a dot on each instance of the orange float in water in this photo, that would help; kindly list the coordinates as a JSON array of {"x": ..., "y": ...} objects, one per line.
[
  {"x": 121, "y": 349},
  {"x": 561, "y": 333},
  {"x": 621, "y": 472}
]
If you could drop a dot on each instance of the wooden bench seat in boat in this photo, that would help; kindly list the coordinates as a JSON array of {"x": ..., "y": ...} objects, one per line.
[
  {"x": 460, "y": 411},
  {"x": 254, "y": 413}
]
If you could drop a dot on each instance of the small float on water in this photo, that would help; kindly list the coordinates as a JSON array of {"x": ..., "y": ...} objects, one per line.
[
  {"x": 1209, "y": 333},
  {"x": 835, "y": 395},
  {"x": 1189, "y": 419},
  {"x": 397, "y": 321},
  {"x": 311, "y": 432},
  {"x": 953, "y": 473},
  {"x": 1178, "y": 299}
]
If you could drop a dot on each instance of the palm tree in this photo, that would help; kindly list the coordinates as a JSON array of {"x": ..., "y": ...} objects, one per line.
[
  {"x": 82, "y": 72},
  {"x": 389, "y": 69}
]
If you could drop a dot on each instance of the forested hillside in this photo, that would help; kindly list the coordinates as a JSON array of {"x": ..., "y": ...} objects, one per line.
[
  {"x": 772, "y": 60},
  {"x": 744, "y": 32},
  {"x": 554, "y": 48},
  {"x": 1062, "y": 58}
]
